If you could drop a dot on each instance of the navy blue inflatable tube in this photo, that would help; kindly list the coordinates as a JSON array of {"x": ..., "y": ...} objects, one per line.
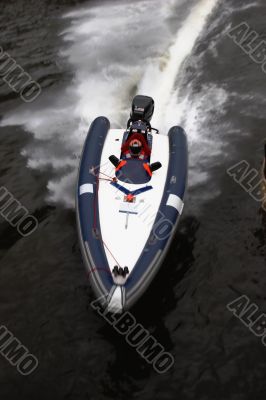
[
  {"x": 166, "y": 220},
  {"x": 87, "y": 214}
]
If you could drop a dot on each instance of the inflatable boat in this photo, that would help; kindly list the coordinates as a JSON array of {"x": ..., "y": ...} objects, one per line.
[{"x": 130, "y": 195}]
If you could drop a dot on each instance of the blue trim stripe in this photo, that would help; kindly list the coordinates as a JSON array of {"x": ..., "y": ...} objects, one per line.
[{"x": 134, "y": 192}]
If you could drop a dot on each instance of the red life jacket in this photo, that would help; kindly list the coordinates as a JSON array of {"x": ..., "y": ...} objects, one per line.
[
  {"x": 120, "y": 165},
  {"x": 146, "y": 166}
]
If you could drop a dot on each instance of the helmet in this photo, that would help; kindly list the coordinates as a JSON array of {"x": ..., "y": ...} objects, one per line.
[{"x": 135, "y": 147}]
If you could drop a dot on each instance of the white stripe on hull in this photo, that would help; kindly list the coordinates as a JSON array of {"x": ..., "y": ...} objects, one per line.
[
  {"x": 86, "y": 188},
  {"x": 176, "y": 202}
]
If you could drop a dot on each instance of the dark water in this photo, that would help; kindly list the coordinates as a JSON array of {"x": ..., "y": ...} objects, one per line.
[{"x": 218, "y": 252}]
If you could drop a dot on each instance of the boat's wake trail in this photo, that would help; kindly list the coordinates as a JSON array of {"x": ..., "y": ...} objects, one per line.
[
  {"x": 115, "y": 51},
  {"x": 160, "y": 77}
]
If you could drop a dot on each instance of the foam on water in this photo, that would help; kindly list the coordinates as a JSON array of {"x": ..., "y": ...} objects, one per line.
[{"x": 115, "y": 51}]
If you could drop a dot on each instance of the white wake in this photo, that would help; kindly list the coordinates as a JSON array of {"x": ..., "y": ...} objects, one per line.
[
  {"x": 160, "y": 78},
  {"x": 115, "y": 51}
]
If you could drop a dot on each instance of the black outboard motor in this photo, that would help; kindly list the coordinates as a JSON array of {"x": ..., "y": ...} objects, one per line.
[{"x": 142, "y": 109}]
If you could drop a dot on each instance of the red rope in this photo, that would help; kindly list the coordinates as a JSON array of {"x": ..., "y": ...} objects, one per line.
[
  {"x": 105, "y": 179},
  {"x": 105, "y": 175},
  {"x": 111, "y": 254},
  {"x": 95, "y": 217},
  {"x": 98, "y": 269}
]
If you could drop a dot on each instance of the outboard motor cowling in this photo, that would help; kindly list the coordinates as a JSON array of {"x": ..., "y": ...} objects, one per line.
[{"x": 142, "y": 108}]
